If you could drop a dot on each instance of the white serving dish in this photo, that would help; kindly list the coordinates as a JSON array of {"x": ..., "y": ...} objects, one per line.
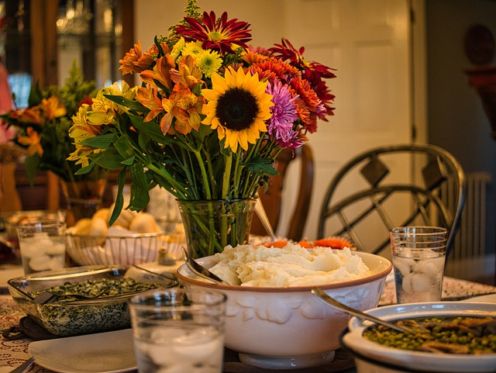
[
  {"x": 373, "y": 357},
  {"x": 286, "y": 328}
]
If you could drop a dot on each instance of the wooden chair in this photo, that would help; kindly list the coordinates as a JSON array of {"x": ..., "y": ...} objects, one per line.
[
  {"x": 272, "y": 197},
  {"x": 383, "y": 199}
]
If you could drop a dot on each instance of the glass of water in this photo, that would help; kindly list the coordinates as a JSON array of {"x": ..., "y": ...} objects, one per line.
[
  {"x": 418, "y": 255},
  {"x": 42, "y": 245},
  {"x": 178, "y": 330}
]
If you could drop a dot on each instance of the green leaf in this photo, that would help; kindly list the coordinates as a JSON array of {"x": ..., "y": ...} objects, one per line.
[
  {"x": 124, "y": 147},
  {"x": 85, "y": 170},
  {"x": 32, "y": 164},
  {"x": 262, "y": 166},
  {"x": 119, "y": 200},
  {"x": 152, "y": 129},
  {"x": 129, "y": 161},
  {"x": 101, "y": 141},
  {"x": 35, "y": 95},
  {"x": 109, "y": 159},
  {"x": 139, "y": 188},
  {"x": 159, "y": 46},
  {"x": 120, "y": 100}
]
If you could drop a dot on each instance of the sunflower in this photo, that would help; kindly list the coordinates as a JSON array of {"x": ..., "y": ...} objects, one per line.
[
  {"x": 215, "y": 33},
  {"x": 237, "y": 106}
]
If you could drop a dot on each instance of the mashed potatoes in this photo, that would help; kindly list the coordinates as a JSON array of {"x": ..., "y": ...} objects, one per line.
[{"x": 291, "y": 265}]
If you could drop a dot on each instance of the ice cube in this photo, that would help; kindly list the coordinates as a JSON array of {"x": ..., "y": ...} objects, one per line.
[
  {"x": 404, "y": 265},
  {"x": 421, "y": 282},
  {"x": 57, "y": 262},
  {"x": 40, "y": 263},
  {"x": 55, "y": 249},
  {"x": 30, "y": 249},
  {"x": 198, "y": 345},
  {"x": 431, "y": 267}
]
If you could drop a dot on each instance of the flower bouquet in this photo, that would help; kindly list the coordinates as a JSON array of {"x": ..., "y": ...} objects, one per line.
[
  {"x": 206, "y": 123},
  {"x": 42, "y": 130}
]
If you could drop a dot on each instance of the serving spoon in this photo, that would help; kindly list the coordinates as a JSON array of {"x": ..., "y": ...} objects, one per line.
[{"x": 357, "y": 313}]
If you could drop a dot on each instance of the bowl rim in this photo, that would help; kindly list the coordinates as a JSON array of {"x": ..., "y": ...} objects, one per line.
[
  {"x": 117, "y": 236},
  {"x": 293, "y": 289},
  {"x": 355, "y": 342}
]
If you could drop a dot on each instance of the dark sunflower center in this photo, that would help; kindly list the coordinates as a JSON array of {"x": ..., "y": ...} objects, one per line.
[{"x": 237, "y": 109}]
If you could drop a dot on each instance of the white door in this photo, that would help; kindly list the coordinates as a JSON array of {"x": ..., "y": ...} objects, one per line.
[{"x": 367, "y": 41}]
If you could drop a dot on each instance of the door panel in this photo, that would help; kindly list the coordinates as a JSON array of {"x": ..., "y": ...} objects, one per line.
[{"x": 367, "y": 43}]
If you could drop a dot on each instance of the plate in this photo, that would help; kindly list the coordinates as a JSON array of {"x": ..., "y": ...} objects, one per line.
[
  {"x": 488, "y": 298},
  {"x": 109, "y": 352}
]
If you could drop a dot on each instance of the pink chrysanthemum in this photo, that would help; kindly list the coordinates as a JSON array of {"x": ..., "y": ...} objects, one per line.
[{"x": 284, "y": 115}]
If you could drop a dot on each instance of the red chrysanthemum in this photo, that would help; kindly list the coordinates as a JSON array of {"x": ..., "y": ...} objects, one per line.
[
  {"x": 314, "y": 72},
  {"x": 215, "y": 33},
  {"x": 272, "y": 68},
  {"x": 313, "y": 106}
]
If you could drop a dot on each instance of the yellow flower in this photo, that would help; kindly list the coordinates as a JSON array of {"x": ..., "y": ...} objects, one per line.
[
  {"x": 177, "y": 48},
  {"x": 237, "y": 107},
  {"x": 81, "y": 130},
  {"x": 53, "y": 108},
  {"x": 209, "y": 62},
  {"x": 192, "y": 48},
  {"x": 103, "y": 110}
]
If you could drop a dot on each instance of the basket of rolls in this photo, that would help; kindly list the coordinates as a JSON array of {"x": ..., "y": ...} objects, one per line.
[{"x": 134, "y": 238}]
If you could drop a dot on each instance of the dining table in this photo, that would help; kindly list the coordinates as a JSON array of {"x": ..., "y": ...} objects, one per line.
[{"x": 14, "y": 352}]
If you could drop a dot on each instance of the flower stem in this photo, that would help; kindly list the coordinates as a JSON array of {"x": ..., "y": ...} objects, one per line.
[
  {"x": 225, "y": 192},
  {"x": 179, "y": 190},
  {"x": 206, "y": 184}
]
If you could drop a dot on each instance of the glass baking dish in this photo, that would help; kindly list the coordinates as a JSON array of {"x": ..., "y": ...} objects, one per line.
[{"x": 64, "y": 317}]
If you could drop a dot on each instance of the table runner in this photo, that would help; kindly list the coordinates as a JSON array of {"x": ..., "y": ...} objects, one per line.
[{"x": 14, "y": 353}]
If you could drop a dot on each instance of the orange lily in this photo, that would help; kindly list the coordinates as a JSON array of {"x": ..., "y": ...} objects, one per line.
[
  {"x": 160, "y": 72},
  {"x": 148, "y": 97},
  {"x": 135, "y": 61},
  {"x": 32, "y": 140},
  {"x": 53, "y": 108},
  {"x": 188, "y": 74},
  {"x": 28, "y": 115},
  {"x": 185, "y": 107}
]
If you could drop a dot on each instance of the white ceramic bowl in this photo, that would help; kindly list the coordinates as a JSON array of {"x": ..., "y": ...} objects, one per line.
[
  {"x": 287, "y": 328},
  {"x": 373, "y": 357}
]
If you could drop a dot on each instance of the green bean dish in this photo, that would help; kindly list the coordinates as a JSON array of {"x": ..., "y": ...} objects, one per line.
[
  {"x": 453, "y": 335},
  {"x": 89, "y": 306}
]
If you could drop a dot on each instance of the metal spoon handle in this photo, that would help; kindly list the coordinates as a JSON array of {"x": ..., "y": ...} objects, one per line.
[
  {"x": 361, "y": 315},
  {"x": 262, "y": 216}
]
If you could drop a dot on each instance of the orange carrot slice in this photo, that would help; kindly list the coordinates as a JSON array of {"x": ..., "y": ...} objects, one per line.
[
  {"x": 334, "y": 242},
  {"x": 306, "y": 244},
  {"x": 279, "y": 243}
]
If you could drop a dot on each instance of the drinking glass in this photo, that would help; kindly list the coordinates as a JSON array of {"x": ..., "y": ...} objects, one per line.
[
  {"x": 178, "y": 330},
  {"x": 418, "y": 255},
  {"x": 42, "y": 245}
]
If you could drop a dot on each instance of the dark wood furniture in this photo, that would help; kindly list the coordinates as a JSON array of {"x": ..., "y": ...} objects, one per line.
[
  {"x": 272, "y": 197},
  {"x": 383, "y": 199}
]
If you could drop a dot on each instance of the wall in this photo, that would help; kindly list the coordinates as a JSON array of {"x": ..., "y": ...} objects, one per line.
[
  {"x": 455, "y": 115},
  {"x": 155, "y": 16}
]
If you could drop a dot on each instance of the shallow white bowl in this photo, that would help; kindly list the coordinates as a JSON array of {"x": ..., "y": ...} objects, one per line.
[
  {"x": 286, "y": 328},
  {"x": 373, "y": 357}
]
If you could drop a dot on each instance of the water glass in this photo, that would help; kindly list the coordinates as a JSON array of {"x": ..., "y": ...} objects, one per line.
[
  {"x": 42, "y": 245},
  {"x": 178, "y": 330},
  {"x": 418, "y": 255}
]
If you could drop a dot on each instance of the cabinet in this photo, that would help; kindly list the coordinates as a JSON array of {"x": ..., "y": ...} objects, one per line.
[{"x": 42, "y": 38}]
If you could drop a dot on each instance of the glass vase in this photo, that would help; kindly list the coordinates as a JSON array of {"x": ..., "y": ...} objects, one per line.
[
  {"x": 212, "y": 225},
  {"x": 83, "y": 198}
]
